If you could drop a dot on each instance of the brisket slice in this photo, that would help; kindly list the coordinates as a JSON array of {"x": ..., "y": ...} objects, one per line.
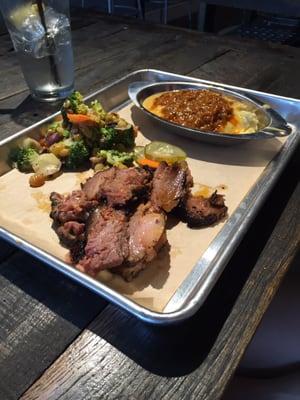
[
  {"x": 118, "y": 187},
  {"x": 147, "y": 234},
  {"x": 71, "y": 232},
  {"x": 71, "y": 207},
  {"x": 106, "y": 241},
  {"x": 170, "y": 185},
  {"x": 199, "y": 211}
]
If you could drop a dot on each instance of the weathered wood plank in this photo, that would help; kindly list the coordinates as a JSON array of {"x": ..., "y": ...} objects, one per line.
[
  {"x": 40, "y": 312},
  {"x": 95, "y": 364},
  {"x": 95, "y": 47},
  {"x": 260, "y": 70}
]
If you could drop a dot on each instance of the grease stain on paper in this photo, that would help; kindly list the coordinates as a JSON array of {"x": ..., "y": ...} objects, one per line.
[{"x": 42, "y": 201}]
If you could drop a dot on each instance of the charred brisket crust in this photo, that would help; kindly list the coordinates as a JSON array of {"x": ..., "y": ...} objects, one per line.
[
  {"x": 71, "y": 232},
  {"x": 78, "y": 207},
  {"x": 200, "y": 212},
  {"x": 77, "y": 251}
]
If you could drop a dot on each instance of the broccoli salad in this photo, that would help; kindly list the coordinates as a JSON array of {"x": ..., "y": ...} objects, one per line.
[{"x": 84, "y": 136}]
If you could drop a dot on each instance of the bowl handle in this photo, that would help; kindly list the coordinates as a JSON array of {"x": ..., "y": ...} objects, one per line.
[{"x": 277, "y": 131}]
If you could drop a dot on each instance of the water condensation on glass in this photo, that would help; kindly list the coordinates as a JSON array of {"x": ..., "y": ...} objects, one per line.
[{"x": 28, "y": 33}]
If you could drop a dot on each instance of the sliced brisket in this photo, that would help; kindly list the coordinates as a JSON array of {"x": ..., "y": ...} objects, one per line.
[
  {"x": 118, "y": 187},
  {"x": 147, "y": 235},
  {"x": 199, "y": 211},
  {"x": 71, "y": 232},
  {"x": 106, "y": 242},
  {"x": 71, "y": 207},
  {"x": 95, "y": 223},
  {"x": 170, "y": 185}
]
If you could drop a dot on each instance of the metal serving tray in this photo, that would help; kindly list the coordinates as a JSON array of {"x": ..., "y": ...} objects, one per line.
[{"x": 195, "y": 288}]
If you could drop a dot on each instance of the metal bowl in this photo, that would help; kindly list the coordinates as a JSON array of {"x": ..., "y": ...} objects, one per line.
[{"x": 271, "y": 123}]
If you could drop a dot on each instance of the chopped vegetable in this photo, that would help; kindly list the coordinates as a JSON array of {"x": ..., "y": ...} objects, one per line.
[
  {"x": 108, "y": 137},
  {"x": 83, "y": 132},
  {"x": 161, "y": 151},
  {"x": 126, "y": 137},
  {"x": 114, "y": 137},
  {"x": 139, "y": 152},
  {"x": 78, "y": 154},
  {"x": 56, "y": 128},
  {"x": 116, "y": 158},
  {"x": 52, "y": 138},
  {"x": 81, "y": 119},
  {"x": 60, "y": 149},
  {"x": 101, "y": 167},
  {"x": 46, "y": 164},
  {"x": 29, "y": 143},
  {"x": 76, "y": 104},
  {"x": 148, "y": 163},
  {"x": 23, "y": 158},
  {"x": 97, "y": 110},
  {"x": 37, "y": 180}
]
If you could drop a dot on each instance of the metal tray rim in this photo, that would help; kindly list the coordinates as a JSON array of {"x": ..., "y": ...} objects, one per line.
[{"x": 187, "y": 308}]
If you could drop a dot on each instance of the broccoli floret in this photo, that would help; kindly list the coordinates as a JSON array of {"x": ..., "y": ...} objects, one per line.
[
  {"x": 97, "y": 109},
  {"x": 109, "y": 137},
  {"x": 112, "y": 137},
  {"x": 126, "y": 137},
  {"x": 116, "y": 158},
  {"x": 57, "y": 127},
  {"x": 23, "y": 158},
  {"x": 79, "y": 154},
  {"x": 76, "y": 104},
  {"x": 53, "y": 126},
  {"x": 65, "y": 133}
]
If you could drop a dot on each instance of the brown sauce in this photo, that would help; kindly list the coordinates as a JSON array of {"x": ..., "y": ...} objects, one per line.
[{"x": 199, "y": 109}]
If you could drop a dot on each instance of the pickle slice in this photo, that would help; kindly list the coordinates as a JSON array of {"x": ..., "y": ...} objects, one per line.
[
  {"x": 162, "y": 151},
  {"x": 139, "y": 152}
]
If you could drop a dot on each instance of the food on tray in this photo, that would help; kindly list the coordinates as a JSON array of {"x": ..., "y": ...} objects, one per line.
[
  {"x": 153, "y": 153},
  {"x": 199, "y": 211},
  {"x": 169, "y": 185},
  {"x": 117, "y": 220},
  {"x": 86, "y": 134},
  {"x": 161, "y": 151},
  {"x": 205, "y": 110}
]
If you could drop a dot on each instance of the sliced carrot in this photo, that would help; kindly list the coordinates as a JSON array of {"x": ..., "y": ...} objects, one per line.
[
  {"x": 80, "y": 119},
  {"x": 149, "y": 163}
]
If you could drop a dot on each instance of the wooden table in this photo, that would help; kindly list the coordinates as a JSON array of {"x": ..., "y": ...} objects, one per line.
[{"x": 59, "y": 340}]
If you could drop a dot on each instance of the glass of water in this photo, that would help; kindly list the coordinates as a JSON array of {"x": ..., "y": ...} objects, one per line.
[{"x": 41, "y": 34}]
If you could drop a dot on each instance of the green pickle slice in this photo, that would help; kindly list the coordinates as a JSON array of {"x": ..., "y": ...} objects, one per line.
[
  {"x": 139, "y": 152},
  {"x": 162, "y": 151}
]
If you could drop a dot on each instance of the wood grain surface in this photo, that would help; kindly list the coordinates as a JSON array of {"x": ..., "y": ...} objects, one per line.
[{"x": 115, "y": 356}]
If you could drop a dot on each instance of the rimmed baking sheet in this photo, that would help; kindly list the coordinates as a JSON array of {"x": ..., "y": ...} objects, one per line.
[{"x": 234, "y": 171}]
